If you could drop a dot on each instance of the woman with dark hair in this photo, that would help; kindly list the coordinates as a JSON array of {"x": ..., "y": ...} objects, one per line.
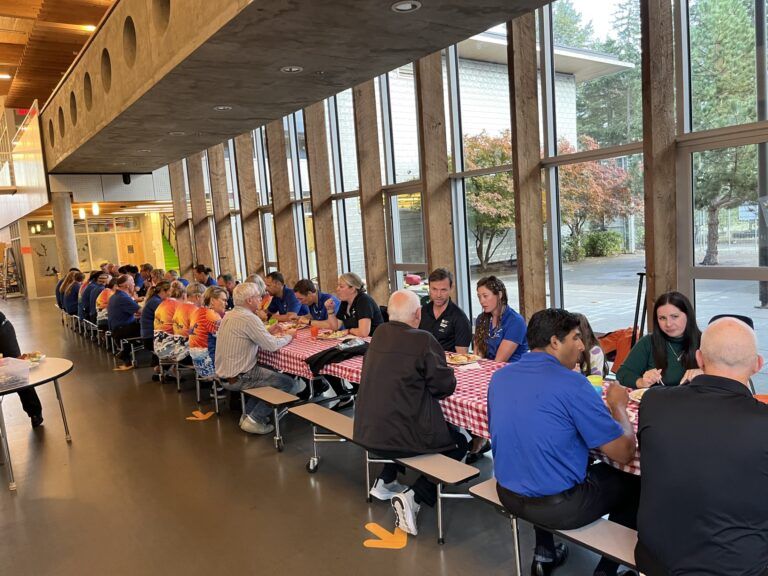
[
  {"x": 499, "y": 330},
  {"x": 667, "y": 356},
  {"x": 592, "y": 359},
  {"x": 203, "y": 275}
]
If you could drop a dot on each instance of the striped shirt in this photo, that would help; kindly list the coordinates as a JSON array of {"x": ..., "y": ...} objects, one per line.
[{"x": 240, "y": 335}]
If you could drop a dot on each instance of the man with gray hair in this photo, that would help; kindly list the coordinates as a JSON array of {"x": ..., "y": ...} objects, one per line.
[
  {"x": 240, "y": 335},
  {"x": 398, "y": 414},
  {"x": 704, "y": 458}
]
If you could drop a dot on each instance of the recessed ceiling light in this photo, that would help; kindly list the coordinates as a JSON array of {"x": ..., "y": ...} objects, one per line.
[
  {"x": 144, "y": 151},
  {"x": 406, "y": 6},
  {"x": 176, "y": 133},
  {"x": 291, "y": 69},
  {"x": 5, "y": 76},
  {"x": 222, "y": 108}
]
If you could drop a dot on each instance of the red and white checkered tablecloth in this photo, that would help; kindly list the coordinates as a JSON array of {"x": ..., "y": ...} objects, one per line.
[
  {"x": 467, "y": 407},
  {"x": 292, "y": 358}
]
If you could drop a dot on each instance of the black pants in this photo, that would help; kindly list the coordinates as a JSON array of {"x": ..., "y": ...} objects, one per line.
[
  {"x": 605, "y": 490},
  {"x": 131, "y": 330},
  {"x": 425, "y": 491},
  {"x": 149, "y": 345},
  {"x": 30, "y": 402}
]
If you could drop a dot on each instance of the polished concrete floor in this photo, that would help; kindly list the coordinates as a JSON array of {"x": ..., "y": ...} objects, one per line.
[{"x": 142, "y": 491}]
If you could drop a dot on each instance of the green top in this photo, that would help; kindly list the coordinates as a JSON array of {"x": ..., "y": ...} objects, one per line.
[{"x": 640, "y": 359}]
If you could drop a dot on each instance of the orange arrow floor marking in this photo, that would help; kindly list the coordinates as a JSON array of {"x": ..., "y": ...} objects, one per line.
[
  {"x": 198, "y": 416},
  {"x": 388, "y": 540}
]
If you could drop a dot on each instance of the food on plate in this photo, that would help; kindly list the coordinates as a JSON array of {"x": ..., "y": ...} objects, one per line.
[
  {"x": 331, "y": 334},
  {"x": 33, "y": 356},
  {"x": 459, "y": 359},
  {"x": 637, "y": 395},
  {"x": 292, "y": 325}
]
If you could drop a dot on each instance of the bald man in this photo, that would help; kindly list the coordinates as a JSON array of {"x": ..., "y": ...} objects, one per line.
[
  {"x": 397, "y": 413},
  {"x": 704, "y": 458}
]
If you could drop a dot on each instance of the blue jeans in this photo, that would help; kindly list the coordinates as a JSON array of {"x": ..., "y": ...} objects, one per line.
[{"x": 258, "y": 377}]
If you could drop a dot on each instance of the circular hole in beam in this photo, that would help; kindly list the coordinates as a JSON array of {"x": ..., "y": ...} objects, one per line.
[
  {"x": 62, "y": 127},
  {"x": 129, "y": 42},
  {"x": 161, "y": 14},
  {"x": 88, "y": 91},
  {"x": 73, "y": 108},
  {"x": 106, "y": 70}
]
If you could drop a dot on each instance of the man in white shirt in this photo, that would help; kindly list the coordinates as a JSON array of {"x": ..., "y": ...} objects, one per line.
[{"x": 239, "y": 337}]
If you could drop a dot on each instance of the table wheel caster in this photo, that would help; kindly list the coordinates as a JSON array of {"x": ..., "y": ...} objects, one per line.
[
  {"x": 313, "y": 465},
  {"x": 279, "y": 445}
]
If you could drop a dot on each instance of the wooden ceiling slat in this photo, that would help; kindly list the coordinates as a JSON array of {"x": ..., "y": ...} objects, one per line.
[{"x": 20, "y": 8}]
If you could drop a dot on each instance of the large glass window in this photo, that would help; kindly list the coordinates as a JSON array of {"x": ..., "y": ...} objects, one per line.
[
  {"x": 404, "y": 128},
  {"x": 350, "y": 249},
  {"x": 342, "y": 114},
  {"x": 722, "y": 63}
]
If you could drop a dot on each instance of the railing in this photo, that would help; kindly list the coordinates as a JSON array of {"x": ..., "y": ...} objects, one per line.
[
  {"x": 6, "y": 164},
  {"x": 169, "y": 231}
]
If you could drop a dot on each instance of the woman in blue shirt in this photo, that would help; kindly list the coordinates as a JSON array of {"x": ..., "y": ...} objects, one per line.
[
  {"x": 499, "y": 330},
  {"x": 499, "y": 336},
  {"x": 155, "y": 296},
  {"x": 72, "y": 292}
]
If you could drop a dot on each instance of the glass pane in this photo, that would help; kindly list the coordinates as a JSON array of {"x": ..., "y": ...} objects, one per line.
[
  {"x": 258, "y": 164},
  {"x": 414, "y": 280},
  {"x": 41, "y": 227},
  {"x": 125, "y": 223},
  {"x": 83, "y": 256},
  {"x": 447, "y": 112},
  {"x": 408, "y": 227},
  {"x": 101, "y": 225},
  {"x": 490, "y": 206},
  {"x": 268, "y": 230},
  {"x": 723, "y": 77},
  {"x": 740, "y": 297},
  {"x": 309, "y": 231},
  {"x": 380, "y": 130},
  {"x": 597, "y": 73},
  {"x": 301, "y": 153},
  {"x": 288, "y": 154},
  {"x": 405, "y": 128},
  {"x": 602, "y": 239},
  {"x": 353, "y": 226},
  {"x": 348, "y": 149},
  {"x": 79, "y": 226},
  {"x": 484, "y": 97},
  {"x": 727, "y": 223}
]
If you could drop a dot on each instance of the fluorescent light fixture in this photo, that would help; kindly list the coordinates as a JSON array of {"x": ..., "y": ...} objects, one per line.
[
  {"x": 95, "y": 208},
  {"x": 291, "y": 69},
  {"x": 50, "y": 224},
  {"x": 81, "y": 213},
  {"x": 405, "y": 6}
]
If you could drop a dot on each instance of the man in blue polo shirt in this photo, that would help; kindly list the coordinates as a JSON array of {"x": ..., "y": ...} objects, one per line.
[
  {"x": 284, "y": 305},
  {"x": 544, "y": 419},
  {"x": 307, "y": 295}
]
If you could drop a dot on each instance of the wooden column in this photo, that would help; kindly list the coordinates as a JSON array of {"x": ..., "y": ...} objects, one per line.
[
  {"x": 285, "y": 231},
  {"x": 371, "y": 197},
  {"x": 659, "y": 148},
  {"x": 225, "y": 244},
  {"x": 436, "y": 195},
  {"x": 322, "y": 206},
  {"x": 181, "y": 220},
  {"x": 200, "y": 226},
  {"x": 529, "y": 218},
  {"x": 249, "y": 204}
]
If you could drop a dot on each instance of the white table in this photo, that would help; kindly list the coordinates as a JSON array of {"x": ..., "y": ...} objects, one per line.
[{"x": 50, "y": 369}]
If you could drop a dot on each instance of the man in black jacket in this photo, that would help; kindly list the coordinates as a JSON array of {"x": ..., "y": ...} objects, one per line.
[
  {"x": 704, "y": 455},
  {"x": 398, "y": 414}
]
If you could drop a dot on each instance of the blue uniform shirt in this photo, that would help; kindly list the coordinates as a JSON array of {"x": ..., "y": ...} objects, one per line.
[
  {"x": 71, "y": 298},
  {"x": 59, "y": 296},
  {"x": 511, "y": 327},
  {"x": 95, "y": 291},
  {"x": 147, "y": 322},
  {"x": 544, "y": 419},
  {"x": 318, "y": 311},
  {"x": 288, "y": 303},
  {"x": 83, "y": 306},
  {"x": 184, "y": 281},
  {"x": 121, "y": 310}
]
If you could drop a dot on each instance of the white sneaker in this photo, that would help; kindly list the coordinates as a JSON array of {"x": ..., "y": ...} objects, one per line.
[
  {"x": 406, "y": 509},
  {"x": 384, "y": 491},
  {"x": 301, "y": 386},
  {"x": 255, "y": 427}
]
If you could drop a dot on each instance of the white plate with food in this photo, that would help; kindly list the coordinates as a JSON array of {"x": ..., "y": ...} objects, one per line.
[
  {"x": 637, "y": 395},
  {"x": 292, "y": 326},
  {"x": 34, "y": 358},
  {"x": 455, "y": 359},
  {"x": 332, "y": 334}
]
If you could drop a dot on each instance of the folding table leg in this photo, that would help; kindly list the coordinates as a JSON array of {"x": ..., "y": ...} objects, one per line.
[
  {"x": 6, "y": 450},
  {"x": 440, "y": 538},
  {"x": 63, "y": 414},
  {"x": 278, "y": 437},
  {"x": 516, "y": 541}
]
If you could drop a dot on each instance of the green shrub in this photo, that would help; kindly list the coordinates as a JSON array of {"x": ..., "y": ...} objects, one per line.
[
  {"x": 603, "y": 243},
  {"x": 573, "y": 251}
]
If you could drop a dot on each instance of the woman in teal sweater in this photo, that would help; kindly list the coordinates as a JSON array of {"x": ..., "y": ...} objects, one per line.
[{"x": 667, "y": 356}]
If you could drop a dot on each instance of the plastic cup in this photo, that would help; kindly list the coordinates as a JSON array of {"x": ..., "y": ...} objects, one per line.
[
  {"x": 597, "y": 382},
  {"x": 314, "y": 331}
]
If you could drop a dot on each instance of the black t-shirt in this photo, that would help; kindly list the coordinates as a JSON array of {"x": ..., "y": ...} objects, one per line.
[
  {"x": 452, "y": 329},
  {"x": 704, "y": 459},
  {"x": 363, "y": 306},
  {"x": 9, "y": 345}
]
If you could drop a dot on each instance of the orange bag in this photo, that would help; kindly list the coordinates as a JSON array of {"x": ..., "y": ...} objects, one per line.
[{"x": 620, "y": 342}]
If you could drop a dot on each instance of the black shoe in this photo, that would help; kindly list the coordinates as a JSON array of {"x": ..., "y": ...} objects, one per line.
[
  {"x": 546, "y": 568},
  {"x": 155, "y": 377},
  {"x": 37, "y": 420},
  {"x": 473, "y": 457}
]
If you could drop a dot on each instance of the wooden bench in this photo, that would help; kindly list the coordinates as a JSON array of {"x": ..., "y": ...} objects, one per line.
[
  {"x": 441, "y": 469},
  {"x": 602, "y": 536},
  {"x": 277, "y": 399}
]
